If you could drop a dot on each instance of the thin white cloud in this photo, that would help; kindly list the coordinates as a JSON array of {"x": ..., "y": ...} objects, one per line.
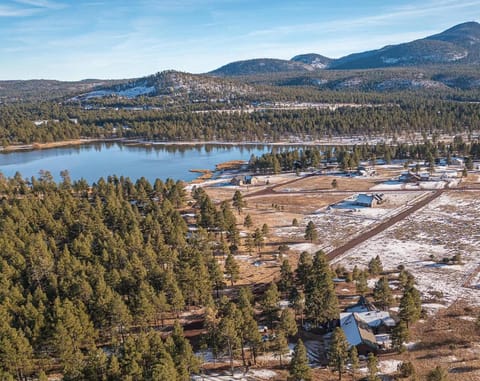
[
  {"x": 41, "y": 3},
  {"x": 7, "y": 11},
  {"x": 406, "y": 12}
]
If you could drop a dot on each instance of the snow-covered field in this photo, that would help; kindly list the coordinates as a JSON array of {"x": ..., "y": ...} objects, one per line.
[
  {"x": 338, "y": 223},
  {"x": 448, "y": 226}
]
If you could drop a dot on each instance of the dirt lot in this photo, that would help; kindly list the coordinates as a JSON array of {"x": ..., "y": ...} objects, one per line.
[{"x": 324, "y": 182}]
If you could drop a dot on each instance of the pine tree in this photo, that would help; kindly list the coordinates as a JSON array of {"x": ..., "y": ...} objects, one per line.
[
  {"x": 269, "y": 303},
  {"x": 182, "y": 354},
  {"x": 286, "y": 276},
  {"x": 321, "y": 303},
  {"x": 338, "y": 352},
  {"x": 288, "y": 325},
  {"x": 298, "y": 303},
  {"x": 164, "y": 370},
  {"x": 247, "y": 222},
  {"x": 229, "y": 337},
  {"x": 265, "y": 230},
  {"x": 304, "y": 268},
  {"x": 238, "y": 202},
  {"x": 382, "y": 294},
  {"x": 410, "y": 306},
  {"x": 354, "y": 361},
  {"x": 232, "y": 268},
  {"x": 280, "y": 345},
  {"x": 361, "y": 284},
  {"x": 42, "y": 376},
  {"x": 299, "y": 369},
  {"x": 375, "y": 266},
  {"x": 372, "y": 366},
  {"x": 258, "y": 239},
  {"x": 399, "y": 335},
  {"x": 311, "y": 232}
]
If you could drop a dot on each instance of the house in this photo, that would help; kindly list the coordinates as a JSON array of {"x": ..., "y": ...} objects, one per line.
[
  {"x": 362, "y": 328},
  {"x": 409, "y": 177},
  {"x": 244, "y": 180},
  {"x": 369, "y": 200},
  {"x": 358, "y": 333}
]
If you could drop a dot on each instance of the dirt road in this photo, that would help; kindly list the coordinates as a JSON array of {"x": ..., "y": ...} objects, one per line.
[{"x": 383, "y": 226}]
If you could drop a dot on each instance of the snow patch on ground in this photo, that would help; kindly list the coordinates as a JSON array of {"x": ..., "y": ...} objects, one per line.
[
  {"x": 308, "y": 247},
  {"x": 340, "y": 222},
  {"x": 447, "y": 226},
  {"x": 388, "y": 366}
]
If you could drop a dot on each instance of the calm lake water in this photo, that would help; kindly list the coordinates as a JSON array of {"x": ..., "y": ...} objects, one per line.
[{"x": 93, "y": 161}]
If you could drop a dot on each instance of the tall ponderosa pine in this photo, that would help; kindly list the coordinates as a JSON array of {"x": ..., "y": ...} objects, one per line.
[
  {"x": 410, "y": 306},
  {"x": 304, "y": 268},
  {"x": 372, "y": 366},
  {"x": 238, "y": 202},
  {"x": 229, "y": 336},
  {"x": 286, "y": 276},
  {"x": 280, "y": 345},
  {"x": 399, "y": 335},
  {"x": 382, "y": 294},
  {"x": 321, "y": 303},
  {"x": 287, "y": 322},
  {"x": 269, "y": 303},
  {"x": 338, "y": 352},
  {"x": 354, "y": 361},
  {"x": 231, "y": 268}
]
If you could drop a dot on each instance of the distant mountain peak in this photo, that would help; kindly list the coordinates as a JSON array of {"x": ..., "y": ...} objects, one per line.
[
  {"x": 315, "y": 60},
  {"x": 261, "y": 66},
  {"x": 459, "y": 44}
]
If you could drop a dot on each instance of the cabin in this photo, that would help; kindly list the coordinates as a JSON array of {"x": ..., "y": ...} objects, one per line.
[
  {"x": 244, "y": 180},
  {"x": 362, "y": 329},
  {"x": 369, "y": 200},
  {"x": 358, "y": 334},
  {"x": 409, "y": 177}
]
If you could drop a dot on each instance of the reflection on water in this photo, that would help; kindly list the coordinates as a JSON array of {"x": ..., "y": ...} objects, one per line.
[{"x": 92, "y": 161}]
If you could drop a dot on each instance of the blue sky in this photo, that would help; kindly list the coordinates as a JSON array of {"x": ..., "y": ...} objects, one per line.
[{"x": 78, "y": 39}]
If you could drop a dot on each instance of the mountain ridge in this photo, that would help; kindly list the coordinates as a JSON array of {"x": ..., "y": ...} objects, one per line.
[{"x": 458, "y": 44}]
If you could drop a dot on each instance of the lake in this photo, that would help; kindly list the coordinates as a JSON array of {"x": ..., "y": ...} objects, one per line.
[{"x": 92, "y": 161}]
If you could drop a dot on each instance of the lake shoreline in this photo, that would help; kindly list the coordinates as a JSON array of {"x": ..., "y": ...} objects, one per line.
[
  {"x": 94, "y": 158},
  {"x": 150, "y": 143}
]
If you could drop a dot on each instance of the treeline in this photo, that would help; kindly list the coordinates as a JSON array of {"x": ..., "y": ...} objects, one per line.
[
  {"x": 407, "y": 116},
  {"x": 349, "y": 157}
]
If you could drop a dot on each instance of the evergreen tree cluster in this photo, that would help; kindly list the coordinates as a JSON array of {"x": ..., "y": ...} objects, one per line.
[
  {"x": 88, "y": 265},
  {"x": 69, "y": 121}
]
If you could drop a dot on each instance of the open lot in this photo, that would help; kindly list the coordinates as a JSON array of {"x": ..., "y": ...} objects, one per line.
[{"x": 448, "y": 226}]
